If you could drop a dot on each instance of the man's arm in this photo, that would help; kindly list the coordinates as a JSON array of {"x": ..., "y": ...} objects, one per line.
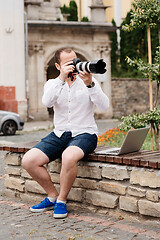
[
  {"x": 52, "y": 90},
  {"x": 96, "y": 94},
  {"x": 53, "y": 87}
]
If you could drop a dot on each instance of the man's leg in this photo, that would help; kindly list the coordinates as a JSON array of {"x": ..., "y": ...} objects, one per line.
[
  {"x": 33, "y": 162},
  {"x": 70, "y": 157}
]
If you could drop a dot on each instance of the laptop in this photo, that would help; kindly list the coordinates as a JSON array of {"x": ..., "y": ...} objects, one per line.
[{"x": 132, "y": 142}]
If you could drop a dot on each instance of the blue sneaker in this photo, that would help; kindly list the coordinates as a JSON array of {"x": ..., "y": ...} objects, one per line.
[
  {"x": 60, "y": 210},
  {"x": 45, "y": 205}
]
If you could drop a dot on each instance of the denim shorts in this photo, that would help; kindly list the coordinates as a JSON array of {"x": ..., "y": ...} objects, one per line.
[{"x": 53, "y": 146}]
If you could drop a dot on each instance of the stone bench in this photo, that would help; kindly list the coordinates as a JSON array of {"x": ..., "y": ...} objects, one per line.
[{"x": 127, "y": 183}]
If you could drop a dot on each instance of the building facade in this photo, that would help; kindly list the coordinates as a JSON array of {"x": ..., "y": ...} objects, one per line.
[
  {"x": 12, "y": 59},
  {"x": 22, "y": 76},
  {"x": 116, "y": 9}
]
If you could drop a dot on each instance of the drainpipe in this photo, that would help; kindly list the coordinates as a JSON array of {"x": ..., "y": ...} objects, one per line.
[{"x": 26, "y": 63}]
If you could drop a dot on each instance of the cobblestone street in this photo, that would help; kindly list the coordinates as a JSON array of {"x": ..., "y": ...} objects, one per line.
[{"x": 18, "y": 223}]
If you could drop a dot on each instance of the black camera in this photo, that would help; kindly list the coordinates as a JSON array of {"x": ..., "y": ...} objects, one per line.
[{"x": 97, "y": 66}]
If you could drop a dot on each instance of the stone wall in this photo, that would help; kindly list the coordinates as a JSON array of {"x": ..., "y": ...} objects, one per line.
[
  {"x": 130, "y": 96},
  {"x": 98, "y": 185}
]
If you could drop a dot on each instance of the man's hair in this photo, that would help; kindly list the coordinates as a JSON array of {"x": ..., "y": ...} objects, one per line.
[{"x": 59, "y": 51}]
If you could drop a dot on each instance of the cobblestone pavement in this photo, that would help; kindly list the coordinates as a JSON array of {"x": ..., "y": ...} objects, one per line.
[{"x": 18, "y": 223}]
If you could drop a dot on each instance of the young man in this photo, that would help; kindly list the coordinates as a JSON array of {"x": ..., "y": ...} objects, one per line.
[{"x": 75, "y": 132}]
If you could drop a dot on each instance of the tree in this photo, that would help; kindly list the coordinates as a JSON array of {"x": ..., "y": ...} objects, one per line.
[
  {"x": 142, "y": 120},
  {"x": 133, "y": 44},
  {"x": 71, "y": 10},
  {"x": 145, "y": 13},
  {"x": 114, "y": 50}
]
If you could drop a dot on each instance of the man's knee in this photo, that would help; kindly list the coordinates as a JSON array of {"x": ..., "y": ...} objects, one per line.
[
  {"x": 27, "y": 161},
  {"x": 34, "y": 158},
  {"x": 68, "y": 160},
  {"x": 71, "y": 156}
]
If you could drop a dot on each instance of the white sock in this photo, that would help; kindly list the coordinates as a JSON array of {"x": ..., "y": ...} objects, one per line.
[
  {"x": 52, "y": 199},
  {"x": 60, "y": 201}
]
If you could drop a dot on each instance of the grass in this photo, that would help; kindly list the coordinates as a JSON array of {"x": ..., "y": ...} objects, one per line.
[{"x": 114, "y": 138}]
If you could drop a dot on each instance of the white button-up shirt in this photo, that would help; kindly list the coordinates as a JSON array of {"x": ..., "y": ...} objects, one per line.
[{"x": 74, "y": 106}]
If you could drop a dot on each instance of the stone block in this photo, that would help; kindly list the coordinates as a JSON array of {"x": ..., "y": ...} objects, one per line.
[
  {"x": 34, "y": 187},
  {"x": 149, "y": 208},
  {"x": 115, "y": 172},
  {"x": 55, "y": 177},
  {"x": 55, "y": 166},
  {"x": 111, "y": 186},
  {"x": 86, "y": 183},
  {"x": 89, "y": 170},
  {"x": 129, "y": 204},
  {"x": 10, "y": 193},
  {"x": 137, "y": 192},
  {"x": 14, "y": 183},
  {"x": 75, "y": 194},
  {"x": 25, "y": 174},
  {"x": 145, "y": 177},
  {"x": 29, "y": 197},
  {"x": 13, "y": 159},
  {"x": 152, "y": 195},
  {"x": 13, "y": 171},
  {"x": 101, "y": 199}
]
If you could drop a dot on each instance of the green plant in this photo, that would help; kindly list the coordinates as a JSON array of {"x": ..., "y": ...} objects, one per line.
[
  {"x": 85, "y": 19},
  {"x": 146, "y": 13},
  {"x": 146, "y": 69},
  {"x": 114, "y": 50},
  {"x": 71, "y": 10},
  {"x": 134, "y": 32},
  {"x": 142, "y": 120}
]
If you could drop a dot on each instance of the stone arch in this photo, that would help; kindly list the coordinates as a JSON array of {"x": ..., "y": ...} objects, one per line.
[
  {"x": 50, "y": 70},
  {"x": 49, "y": 61}
]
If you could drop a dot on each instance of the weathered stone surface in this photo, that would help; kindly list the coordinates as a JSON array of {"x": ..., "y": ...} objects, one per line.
[
  {"x": 115, "y": 172},
  {"x": 102, "y": 199},
  {"x": 145, "y": 177},
  {"x": 149, "y": 208},
  {"x": 111, "y": 186},
  {"x": 34, "y": 198},
  {"x": 128, "y": 204},
  {"x": 55, "y": 177},
  {"x": 13, "y": 159},
  {"x": 75, "y": 194},
  {"x": 9, "y": 193},
  {"x": 15, "y": 183},
  {"x": 25, "y": 174},
  {"x": 89, "y": 171},
  {"x": 152, "y": 195},
  {"x": 135, "y": 191},
  {"x": 55, "y": 166},
  {"x": 34, "y": 187},
  {"x": 86, "y": 183},
  {"x": 13, "y": 171}
]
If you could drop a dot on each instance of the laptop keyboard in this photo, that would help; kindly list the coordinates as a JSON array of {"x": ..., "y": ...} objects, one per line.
[{"x": 114, "y": 151}]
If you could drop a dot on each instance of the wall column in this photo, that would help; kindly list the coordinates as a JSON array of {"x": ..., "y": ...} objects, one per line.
[
  {"x": 36, "y": 82},
  {"x": 12, "y": 65}
]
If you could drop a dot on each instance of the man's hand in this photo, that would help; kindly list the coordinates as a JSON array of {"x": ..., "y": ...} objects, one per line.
[
  {"x": 86, "y": 77},
  {"x": 65, "y": 69}
]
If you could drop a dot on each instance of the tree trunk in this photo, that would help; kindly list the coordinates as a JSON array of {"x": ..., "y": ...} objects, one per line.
[
  {"x": 150, "y": 79},
  {"x": 156, "y": 136}
]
